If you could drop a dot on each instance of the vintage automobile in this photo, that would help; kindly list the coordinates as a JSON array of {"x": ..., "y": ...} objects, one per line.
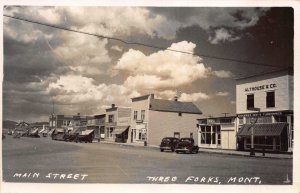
[
  {"x": 72, "y": 135},
  {"x": 58, "y": 134},
  {"x": 186, "y": 145},
  {"x": 85, "y": 136},
  {"x": 168, "y": 143}
]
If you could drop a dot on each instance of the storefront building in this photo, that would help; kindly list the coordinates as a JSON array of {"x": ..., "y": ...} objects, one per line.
[
  {"x": 153, "y": 119},
  {"x": 264, "y": 104},
  {"x": 217, "y": 132},
  {"x": 117, "y": 123},
  {"x": 97, "y": 123}
]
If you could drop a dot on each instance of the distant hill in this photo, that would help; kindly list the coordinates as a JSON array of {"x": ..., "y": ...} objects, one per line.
[{"x": 7, "y": 124}]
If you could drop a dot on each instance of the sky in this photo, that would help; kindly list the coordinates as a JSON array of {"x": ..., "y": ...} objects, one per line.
[{"x": 47, "y": 67}]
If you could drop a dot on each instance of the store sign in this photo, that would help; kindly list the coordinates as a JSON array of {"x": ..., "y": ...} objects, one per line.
[
  {"x": 262, "y": 114},
  {"x": 260, "y": 87}
]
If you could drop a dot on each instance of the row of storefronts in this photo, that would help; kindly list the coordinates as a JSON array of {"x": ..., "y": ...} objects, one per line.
[{"x": 264, "y": 112}]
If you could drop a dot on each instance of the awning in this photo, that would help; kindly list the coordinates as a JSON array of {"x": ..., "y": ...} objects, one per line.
[
  {"x": 119, "y": 130},
  {"x": 34, "y": 131},
  {"x": 86, "y": 132},
  {"x": 75, "y": 130},
  {"x": 51, "y": 131},
  {"x": 60, "y": 130},
  {"x": 262, "y": 129}
]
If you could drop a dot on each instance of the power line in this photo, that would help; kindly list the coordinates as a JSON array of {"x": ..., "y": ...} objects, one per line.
[{"x": 138, "y": 43}]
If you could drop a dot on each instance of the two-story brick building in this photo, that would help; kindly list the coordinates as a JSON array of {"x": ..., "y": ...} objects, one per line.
[
  {"x": 153, "y": 119},
  {"x": 264, "y": 102},
  {"x": 117, "y": 123}
]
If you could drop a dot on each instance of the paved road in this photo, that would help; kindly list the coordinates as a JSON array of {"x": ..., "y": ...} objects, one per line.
[{"x": 44, "y": 160}]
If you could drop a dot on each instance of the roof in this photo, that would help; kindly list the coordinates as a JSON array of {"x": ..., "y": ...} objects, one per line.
[
  {"x": 264, "y": 129},
  {"x": 174, "y": 106},
  {"x": 288, "y": 70}
]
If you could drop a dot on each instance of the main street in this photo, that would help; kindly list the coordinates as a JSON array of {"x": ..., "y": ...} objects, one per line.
[{"x": 48, "y": 161}]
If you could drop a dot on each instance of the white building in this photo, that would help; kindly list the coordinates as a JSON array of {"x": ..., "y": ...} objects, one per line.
[
  {"x": 217, "y": 132},
  {"x": 266, "y": 99},
  {"x": 153, "y": 119}
]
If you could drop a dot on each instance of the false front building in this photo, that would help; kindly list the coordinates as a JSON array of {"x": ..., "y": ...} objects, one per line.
[
  {"x": 264, "y": 103},
  {"x": 153, "y": 119},
  {"x": 117, "y": 122}
]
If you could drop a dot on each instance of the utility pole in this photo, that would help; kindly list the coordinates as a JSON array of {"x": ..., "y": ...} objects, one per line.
[{"x": 225, "y": 114}]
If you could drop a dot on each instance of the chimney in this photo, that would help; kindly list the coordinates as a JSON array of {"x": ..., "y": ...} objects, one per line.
[{"x": 113, "y": 105}]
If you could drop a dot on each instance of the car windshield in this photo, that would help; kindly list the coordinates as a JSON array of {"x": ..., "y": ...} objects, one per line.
[
  {"x": 166, "y": 140},
  {"x": 185, "y": 140}
]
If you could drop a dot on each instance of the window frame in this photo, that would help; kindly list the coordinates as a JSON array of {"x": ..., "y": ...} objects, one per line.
[{"x": 270, "y": 99}]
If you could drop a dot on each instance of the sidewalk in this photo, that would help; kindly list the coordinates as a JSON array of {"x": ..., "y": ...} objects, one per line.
[{"x": 216, "y": 151}]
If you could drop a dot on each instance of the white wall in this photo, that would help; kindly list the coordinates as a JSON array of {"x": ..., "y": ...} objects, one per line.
[
  {"x": 283, "y": 95},
  {"x": 164, "y": 124}
]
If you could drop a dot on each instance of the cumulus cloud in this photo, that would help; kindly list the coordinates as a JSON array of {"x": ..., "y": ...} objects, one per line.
[
  {"x": 222, "y": 35},
  {"x": 222, "y": 74},
  {"x": 162, "y": 69},
  {"x": 194, "y": 97},
  {"x": 117, "y": 48},
  {"x": 207, "y": 19},
  {"x": 77, "y": 89},
  {"x": 84, "y": 54},
  {"x": 222, "y": 93},
  {"x": 113, "y": 20}
]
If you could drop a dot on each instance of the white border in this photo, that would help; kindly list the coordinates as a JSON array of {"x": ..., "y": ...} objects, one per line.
[{"x": 51, "y": 188}]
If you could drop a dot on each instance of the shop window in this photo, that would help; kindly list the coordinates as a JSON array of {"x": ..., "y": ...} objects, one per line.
[
  {"x": 143, "y": 114},
  {"x": 177, "y": 134},
  {"x": 270, "y": 99},
  {"x": 250, "y": 101},
  {"x": 280, "y": 118}
]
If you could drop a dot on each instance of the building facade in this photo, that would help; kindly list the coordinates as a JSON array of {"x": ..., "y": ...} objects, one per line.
[
  {"x": 64, "y": 121},
  {"x": 97, "y": 123},
  {"x": 217, "y": 132},
  {"x": 153, "y": 119},
  {"x": 264, "y": 103},
  {"x": 117, "y": 123}
]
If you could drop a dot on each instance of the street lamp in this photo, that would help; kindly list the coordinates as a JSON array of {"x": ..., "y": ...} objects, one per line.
[{"x": 253, "y": 121}]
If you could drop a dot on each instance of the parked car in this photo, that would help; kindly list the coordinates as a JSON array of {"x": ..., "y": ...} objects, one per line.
[
  {"x": 58, "y": 134},
  {"x": 10, "y": 132},
  {"x": 85, "y": 136},
  {"x": 72, "y": 135},
  {"x": 186, "y": 145},
  {"x": 168, "y": 143}
]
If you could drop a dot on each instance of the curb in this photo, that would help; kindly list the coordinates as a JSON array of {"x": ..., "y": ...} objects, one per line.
[
  {"x": 245, "y": 155},
  {"x": 202, "y": 151}
]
